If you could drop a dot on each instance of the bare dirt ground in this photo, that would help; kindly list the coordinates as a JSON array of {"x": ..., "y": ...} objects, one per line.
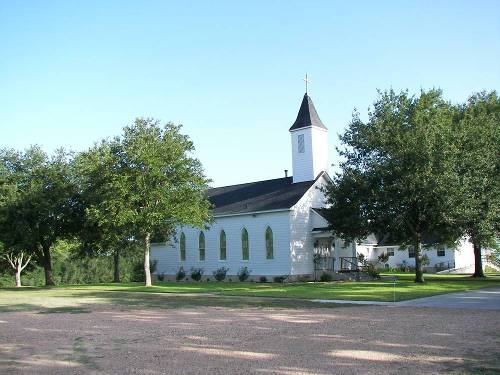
[{"x": 206, "y": 339}]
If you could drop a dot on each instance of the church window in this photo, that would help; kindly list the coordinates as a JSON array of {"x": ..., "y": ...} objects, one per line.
[
  {"x": 411, "y": 252},
  {"x": 245, "y": 252},
  {"x": 201, "y": 246},
  {"x": 269, "y": 244},
  {"x": 441, "y": 251},
  {"x": 300, "y": 143},
  {"x": 183, "y": 246},
  {"x": 222, "y": 240},
  {"x": 390, "y": 251}
]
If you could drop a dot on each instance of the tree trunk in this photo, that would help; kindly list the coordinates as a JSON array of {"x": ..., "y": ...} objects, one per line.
[
  {"x": 116, "y": 271},
  {"x": 478, "y": 261},
  {"x": 147, "y": 271},
  {"x": 419, "y": 274},
  {"x": 47, "y": 266},
  {"x": 18, "y": 275}
]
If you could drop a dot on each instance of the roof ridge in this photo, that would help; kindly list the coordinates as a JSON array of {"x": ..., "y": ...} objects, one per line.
[{"x": 251, "y": 182}]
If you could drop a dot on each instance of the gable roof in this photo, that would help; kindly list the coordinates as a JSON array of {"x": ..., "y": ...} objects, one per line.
[
  {"x": 307, "y": 115},
  {"x": 276, "y": 194}
]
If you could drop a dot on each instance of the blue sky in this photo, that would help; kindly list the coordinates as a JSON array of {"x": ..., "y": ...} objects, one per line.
[{"x": 73, "y": 72}]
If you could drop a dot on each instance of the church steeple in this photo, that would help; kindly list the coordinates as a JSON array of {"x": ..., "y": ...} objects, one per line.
[
  {"x": 309, "y": 143},
  {"x": 307, "y": 115}
]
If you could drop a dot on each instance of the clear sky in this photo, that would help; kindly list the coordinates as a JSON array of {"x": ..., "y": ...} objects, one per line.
[{"x": 73, "y": 72}]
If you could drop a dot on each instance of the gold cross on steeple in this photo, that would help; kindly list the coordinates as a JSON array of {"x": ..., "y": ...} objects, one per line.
[{"x": 306, "y": 81}]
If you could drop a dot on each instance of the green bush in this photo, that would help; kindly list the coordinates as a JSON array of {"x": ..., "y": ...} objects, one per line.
[
  {"x": 244, "y": 273},
  {"x": 138, "y": 271},
  {"x": 372, "y": 271},
  {"x": 220, "y": 273},
  {"x": 180, "y": 274},
  {"x": 196, "y": 273},
  {"x": 263, "y": 279},
  {"x": 279, "y": 279},
  {"x": 325, "y": 277}
]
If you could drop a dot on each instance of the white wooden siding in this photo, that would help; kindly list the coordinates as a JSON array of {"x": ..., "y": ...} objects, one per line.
[
  {"x": 309, "y": 164},
  {"x": 301, "y": 221},
  {"x": 168, "y": 256}
]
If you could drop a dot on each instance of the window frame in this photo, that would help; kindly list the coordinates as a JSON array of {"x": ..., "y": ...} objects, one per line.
[
  {"x": 245, "y": 240},
  {"x": 301, "y": 146},
  {"x": 269, "y": 243},
  {"x": 182, "y": 247},
  {"x": 221, "y": 234},
  {"x": 201, "y": 239}
]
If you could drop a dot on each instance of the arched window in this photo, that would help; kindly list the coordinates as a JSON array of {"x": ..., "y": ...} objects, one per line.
[
  {"x": 201, "y": 245},
  {"x": 245, "y": 252},
  {"x": 183, "y": 246},
  {"x": 222, "y": 244},
  {"x": 269, "y": 243}
]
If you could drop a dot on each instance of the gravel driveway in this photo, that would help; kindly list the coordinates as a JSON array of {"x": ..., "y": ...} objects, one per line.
[{"x": 110, "y": 339}]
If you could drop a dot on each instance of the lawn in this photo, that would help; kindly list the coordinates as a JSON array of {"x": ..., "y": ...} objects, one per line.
[{"x": 382, "y": 290}]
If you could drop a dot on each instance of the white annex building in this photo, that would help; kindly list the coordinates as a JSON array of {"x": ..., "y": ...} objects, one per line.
[{"x": 276, "y": 228}]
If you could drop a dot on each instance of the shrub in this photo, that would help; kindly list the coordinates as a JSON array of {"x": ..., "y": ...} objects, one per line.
[
  {"x": 196, "y": 273},
  {"x": 220, "y": 273},
  {"x": 244, "y": 273},
  {"x": 263, "y": 279},
  {"x": 383, "y": 258},
  {"x": 372, "y": 271},
  {"x": 325, "y": 277},
  {"x": 303, "y": 278},
  {"x": 279, "y": 279},
  {"x": 138, "y": 270},
  {"x": 161, "y": 277},
  {"x": 180, "y": 274}
]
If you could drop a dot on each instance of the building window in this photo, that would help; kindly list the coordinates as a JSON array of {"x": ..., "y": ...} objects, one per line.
[
  {"x": 183, "y": 246},
  {"x": 441, "y": 252},
  {"x": 201, "y": 246},
  {"x": 300, "y": 143},
  {"x": 411, "y": 252},
  {"x": 390, "y": 251},
  {"x": 222, "y": 244},
  {"x": 245, "y": 252},
  {"x": 269, "y": 244}
]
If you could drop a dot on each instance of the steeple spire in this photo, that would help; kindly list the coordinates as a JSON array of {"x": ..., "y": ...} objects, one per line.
[
  {"x": 307, "y": 115},
  {"x": 306, "y": 81}
]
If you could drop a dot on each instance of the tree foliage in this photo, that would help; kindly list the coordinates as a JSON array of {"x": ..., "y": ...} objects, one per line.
[
  {"x": 478, "y": 168},
  {"x": 148, "y": 182},
  {"x": 397, "y": 173},
  {"x": 39, "y": 202}
]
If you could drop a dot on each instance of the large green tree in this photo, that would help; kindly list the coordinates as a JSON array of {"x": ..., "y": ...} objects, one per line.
[
  {"x": 478, "y": 138},
  {"x": 104, "y": 231},
  {"x": 397, "y": 172},
  {"x": 39, "y": 202},
  {"x": 149, "y": 182}
]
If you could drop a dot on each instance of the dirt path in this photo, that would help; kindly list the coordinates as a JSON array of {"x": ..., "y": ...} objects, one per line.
[{"x": 103, "y": 339}]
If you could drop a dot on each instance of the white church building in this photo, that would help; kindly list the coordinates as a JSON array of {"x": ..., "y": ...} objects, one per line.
[{"x": 275, "y": 227}]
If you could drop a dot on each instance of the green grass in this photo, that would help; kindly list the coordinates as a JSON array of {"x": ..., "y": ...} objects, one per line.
[{"x": 75, "y": 299}]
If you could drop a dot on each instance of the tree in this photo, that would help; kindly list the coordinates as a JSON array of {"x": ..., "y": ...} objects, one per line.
[
  {"x": 17, "y": 259},
  {"x": 478, "y": 130},
  {"x": 39, "y": 202},
  {"x": 104, "y": 232},
  {"x": 150, "y": 181},
  {"x": 397, "y": 173}
]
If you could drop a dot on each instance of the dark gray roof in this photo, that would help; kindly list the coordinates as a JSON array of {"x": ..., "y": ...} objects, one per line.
[
  {"x": 307, "y": 115},
  {"x": 280, "y": 193},
  {"x": 321, "y": 211}
]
